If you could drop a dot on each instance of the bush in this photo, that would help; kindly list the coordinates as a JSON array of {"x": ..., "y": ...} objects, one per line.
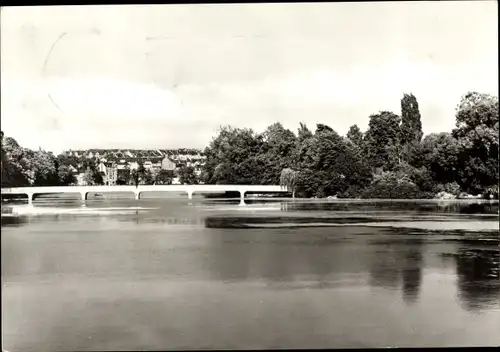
[
  {"x": 421, "y": 177},
  {"x": 307, "y": 184},
  {"x": 491, "y": 192},
  {"x": 351, "y": 192},
  {"x": 452, "y": 188},
  {"x": 392, "y": 185}
]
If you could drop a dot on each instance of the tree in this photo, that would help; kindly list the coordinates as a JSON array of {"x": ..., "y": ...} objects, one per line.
[
  {"x": 88, "y": 177},
  {"x": 92, "y": 175},
  {"x": 382, "y": 140},
  {"x": 123, "y": 176},
  {"x": 303, "y": 133},
  {"x": 477, "y": 131},
  {"x": 164, "y": 177},
  {"x": 391, "y": 185},
  {"x": 135, "y": 177},
  {"x": 411, "y": 125},
  {"x": 17, "y": 164},
  {"x": 66, "y": 176},
  {"x": 45, "y": 168},
  {"x": 148, "y": 178},
  {"x": 64, "y": 159},
  {"x": 289, "y": 179},
  {"x": 278, "y": 149},
  {"x": 320, "y": 128},
  {"x": 308, "y": 183},
  {"x": 355, "y": 135},
  {"x": 440, "y": 153},
  {"x": 228, "y": 153},
  {"x": 187, "y": 175},
  {"x": 12, "y": 174},
  {"x": 142, "y": 175},
  {"x": 329, "y": 164}
]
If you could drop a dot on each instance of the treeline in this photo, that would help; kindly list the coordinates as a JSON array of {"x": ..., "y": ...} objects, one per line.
[
  {"x": 22, "y": 167},
  {"x": 389, "y": 160}
]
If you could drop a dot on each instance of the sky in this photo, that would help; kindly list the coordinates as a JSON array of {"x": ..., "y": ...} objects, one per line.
[{"x": 167, "y": 76}]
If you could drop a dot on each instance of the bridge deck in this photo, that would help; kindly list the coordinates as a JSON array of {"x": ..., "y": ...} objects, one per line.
[
  {"x": 189, "y": 189},
  {"x": 144, "y": 188}
]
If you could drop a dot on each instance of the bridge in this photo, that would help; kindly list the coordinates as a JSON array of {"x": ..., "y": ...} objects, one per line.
[{"x": 31, "y": 192}]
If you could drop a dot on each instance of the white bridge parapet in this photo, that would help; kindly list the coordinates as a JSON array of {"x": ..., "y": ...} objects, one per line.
[{"x": 189, "y": 189}]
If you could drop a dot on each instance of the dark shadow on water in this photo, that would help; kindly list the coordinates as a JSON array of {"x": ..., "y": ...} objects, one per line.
[
  {"x": 13, "y": 221},
  {"x": 243, "y": 222},
  {"x": 459, "y": 207},
  {"x": 478, "y": 277},
  {"x": 398, "y": 263}
]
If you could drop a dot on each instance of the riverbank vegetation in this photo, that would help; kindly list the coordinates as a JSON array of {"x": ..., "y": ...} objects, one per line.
[{"x": 392, "y": 159}]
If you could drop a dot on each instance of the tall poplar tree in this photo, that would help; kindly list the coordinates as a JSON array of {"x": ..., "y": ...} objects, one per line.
[{"x": 411, "y": 125}]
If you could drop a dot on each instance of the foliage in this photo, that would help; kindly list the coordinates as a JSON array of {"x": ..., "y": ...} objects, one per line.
[
  {"x": 303, "y": 133},
  {"x": 135, "y": 177},
  {"x": 477, "y": 132},
  {"x": 278, "y": 147},
  {"x": 382, "y": 140},
  {"x": 451, "y": 188},
  {"x": 230, "y": 155},
  {"x": 66, "y": 176},
  {"x": 411, "y": 125},
  {"x": 141, "y": 175},
  {"x": 288, "y": 179},
  {"x": 164, "y": 177},
  {"x": 187, "y": 176},
  {"x": 17, "y": 165},
  {"x": 147, "y": 178},
  {"x": 355, "y": 135},
  {"x": 440, "y": 153},
  {"x": 124, "y": 176},
  {"x": 92, "y": 175},
  {"x": 421, "y": 177},
  {"x": 390, "y": 185},
  {"x": 491, "y": 192}
]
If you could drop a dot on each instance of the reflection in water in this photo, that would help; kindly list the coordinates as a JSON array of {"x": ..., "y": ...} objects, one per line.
[
  {"x": 412, "y": 272},
  {"x": 478, "y": 277},
  {"x": 469, "y": 207},
  {"x": 399, "y": 263}
]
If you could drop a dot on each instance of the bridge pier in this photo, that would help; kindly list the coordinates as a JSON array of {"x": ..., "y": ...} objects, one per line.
[
  {"x": 30, "y": 198},
  {"x": 137, "y": 195},
  {"x": 84, "y": 198},
  {"x": 190, "y": 195},
  {"x": 242, "y": 198}
]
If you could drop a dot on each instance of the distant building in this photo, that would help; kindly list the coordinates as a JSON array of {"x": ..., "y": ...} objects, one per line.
[
  {"x": 101, "y": 167},
  {"x": 148, "y": 164},
  {"x": 154, "y": 160},
  {"x": 133, "y": 165},
  {"x": 167, "y": 164},
  {"x": 80, "y": 179},
  {"x": 111, "y": 174}
]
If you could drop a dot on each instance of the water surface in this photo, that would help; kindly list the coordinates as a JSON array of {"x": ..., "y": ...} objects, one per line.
[{"x": 168, "y": 274}]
